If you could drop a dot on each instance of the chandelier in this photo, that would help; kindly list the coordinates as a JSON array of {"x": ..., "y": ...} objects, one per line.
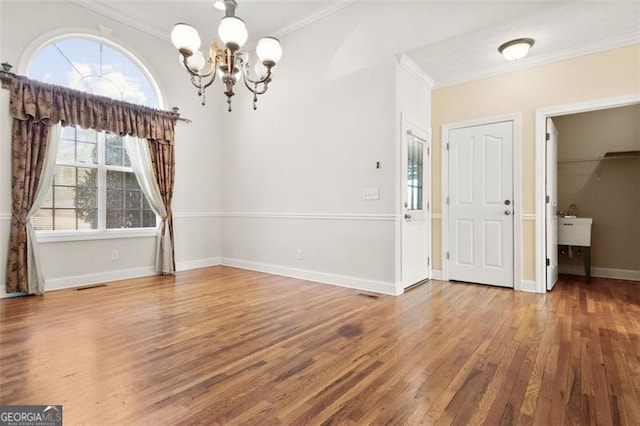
[{"x": 228, "y": 62}]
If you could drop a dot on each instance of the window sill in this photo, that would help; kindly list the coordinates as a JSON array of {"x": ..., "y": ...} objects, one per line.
[{"x": 61, "y": 236}]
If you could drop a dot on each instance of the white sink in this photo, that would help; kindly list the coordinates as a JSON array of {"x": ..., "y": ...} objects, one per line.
[{"x": 574, "y": 231}]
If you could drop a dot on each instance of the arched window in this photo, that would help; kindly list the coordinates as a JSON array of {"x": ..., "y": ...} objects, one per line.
[{"x": 94, "y": 187}]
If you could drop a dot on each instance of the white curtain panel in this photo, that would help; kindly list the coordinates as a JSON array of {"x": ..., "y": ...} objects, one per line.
[
  {"x": 34, "y": 270},
  {"x": 138, "y": 150}
]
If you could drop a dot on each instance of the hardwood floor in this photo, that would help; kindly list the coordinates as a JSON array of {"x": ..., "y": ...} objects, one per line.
[{"x": 226, "y": 346}]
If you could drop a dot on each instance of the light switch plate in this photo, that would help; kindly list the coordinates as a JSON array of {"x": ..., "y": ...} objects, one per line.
[{"x": 371, "y": 194}]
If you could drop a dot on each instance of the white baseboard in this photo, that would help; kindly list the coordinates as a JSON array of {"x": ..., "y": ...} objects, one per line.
[
  {"x": 528, "y": 286},
  {"x": 618, "y": 274},
  {"x": 436, "y": 274},
  {"x": 321, "y": 277},
  {"x": 198, "y": 263},
  {"x": 123, "y": 274},
  {"x": 101, "y": 277}
]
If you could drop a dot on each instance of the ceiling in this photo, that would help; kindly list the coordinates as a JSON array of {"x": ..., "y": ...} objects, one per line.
[{"x": 450, "y": 41}]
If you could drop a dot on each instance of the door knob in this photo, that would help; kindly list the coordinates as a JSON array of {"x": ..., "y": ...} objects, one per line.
[
  {"x": 507, "y": 202},
  {"x": 407, "y": 216},
  {"x": 507, "y": 212}
]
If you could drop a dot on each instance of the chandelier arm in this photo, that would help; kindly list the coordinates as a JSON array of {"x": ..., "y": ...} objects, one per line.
[
  {"x": 211, "y": 70},
  {"x": 246, "y": 77},
  {"x": 264, "y": 88}
]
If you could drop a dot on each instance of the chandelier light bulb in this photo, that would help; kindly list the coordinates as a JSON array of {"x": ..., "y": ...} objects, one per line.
[
  {"x": 196, "y": 61},
  {"x": 184, "y": 36},
  {"x": 232, "y": 30},
  {"x": 269, "y": 49},
  {"x": 516, "y": 49}
]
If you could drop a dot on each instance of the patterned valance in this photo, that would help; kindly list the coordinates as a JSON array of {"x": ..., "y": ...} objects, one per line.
[{"x": 50, "y": 104}]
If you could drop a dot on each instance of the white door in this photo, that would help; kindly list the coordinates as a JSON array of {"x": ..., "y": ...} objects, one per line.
[
  {"x": 480, "y": 217},
  {"x": 552, "y": 204},
  {"x": 416, "y": 175}
]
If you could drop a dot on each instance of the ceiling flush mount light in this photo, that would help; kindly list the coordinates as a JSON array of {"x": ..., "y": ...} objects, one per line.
[
  {"x": 516, "y": 49},
  {"x": 228, "y": 62}
]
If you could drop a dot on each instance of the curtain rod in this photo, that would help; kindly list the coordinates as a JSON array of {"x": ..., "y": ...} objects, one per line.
[{"x": 6, "y": 76}]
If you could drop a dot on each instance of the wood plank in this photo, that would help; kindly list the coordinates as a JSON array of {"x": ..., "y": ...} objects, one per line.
[{"x": 227, "y": 346}]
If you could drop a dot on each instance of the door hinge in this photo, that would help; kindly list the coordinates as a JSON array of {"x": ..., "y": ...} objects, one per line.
[
  {"x": 547, "y": 136},
  {"x": 428, "y": 261},
  {"x": 447, "y": 200},
  {"x": 447, "y": 146},
  {"x": 428, "y": 151},
  {"x": 547, "y": 199},
  {"x": 548, "y": 262},
  {"x": 447, "y": 255}
]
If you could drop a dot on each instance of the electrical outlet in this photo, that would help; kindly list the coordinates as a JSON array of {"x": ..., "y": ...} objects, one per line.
[
  {"x": 371, "y": 194},
  {"x": 115, "y": 255},
  {"x": 299, "y": 254}
]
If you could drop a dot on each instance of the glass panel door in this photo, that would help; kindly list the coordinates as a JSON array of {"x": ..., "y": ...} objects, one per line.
[{"x": 415, "y": 170}]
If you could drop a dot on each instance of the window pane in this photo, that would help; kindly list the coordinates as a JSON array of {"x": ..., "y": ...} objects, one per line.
[
  {"x": 64, "y": 219},
  {"x": 86, "y": 152},
  {"x": 133, "y": 200},
  {"x": 126, "y": 204},
  {"x": 64, "y": 175},
  {"x": 115, "y": 199},
  {"x": 131, "y": 182},
  {"x": 115, "y": 180},
  {"x": 64, "y": 197},
  {"x": 113, "y": 156},
  {"x": 69, "y": 132},
  {"x": 66, "y": 151},
  {"x": 87, "y": 177},
  {"x": 115, "y": 219},
  {"x": 86, "y": 135},
  {"x": 148, "y": 219},
  {"x": 134, "y": 219},
  {"x": 415, "y": 166},
  {"x": 87, "y": 218},
  {"x": 116, "y": 154},
  {"x": 43, "y": 220}
]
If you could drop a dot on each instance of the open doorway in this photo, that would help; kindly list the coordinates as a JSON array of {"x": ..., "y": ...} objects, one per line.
[{"x": 592, "y": 190}]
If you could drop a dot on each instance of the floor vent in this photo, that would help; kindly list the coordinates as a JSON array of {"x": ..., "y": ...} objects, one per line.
[{"x": 88, "y": 287}]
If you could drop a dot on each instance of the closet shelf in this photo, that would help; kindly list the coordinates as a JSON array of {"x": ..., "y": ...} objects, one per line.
[{"x": 614, "y": 155}]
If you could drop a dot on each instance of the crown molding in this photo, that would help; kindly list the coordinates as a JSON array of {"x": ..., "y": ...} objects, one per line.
[
  {"x": 561, "y": 55},
  {"x": 333, "y": 7},
  {"x": 105, "y": 10},
  {"x": 412, "y": 68}
]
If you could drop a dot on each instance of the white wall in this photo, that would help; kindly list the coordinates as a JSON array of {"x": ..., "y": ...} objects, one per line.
[
  {"x": 197, "y": 194},
  {"x": 413, "y": 103},
  {"x": 294, "y": 170}
]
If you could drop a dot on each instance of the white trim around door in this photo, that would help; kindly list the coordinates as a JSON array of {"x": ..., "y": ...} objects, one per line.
[
  {"x": 541, "y": 164},
  {"x": 516, "y": 119}
]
